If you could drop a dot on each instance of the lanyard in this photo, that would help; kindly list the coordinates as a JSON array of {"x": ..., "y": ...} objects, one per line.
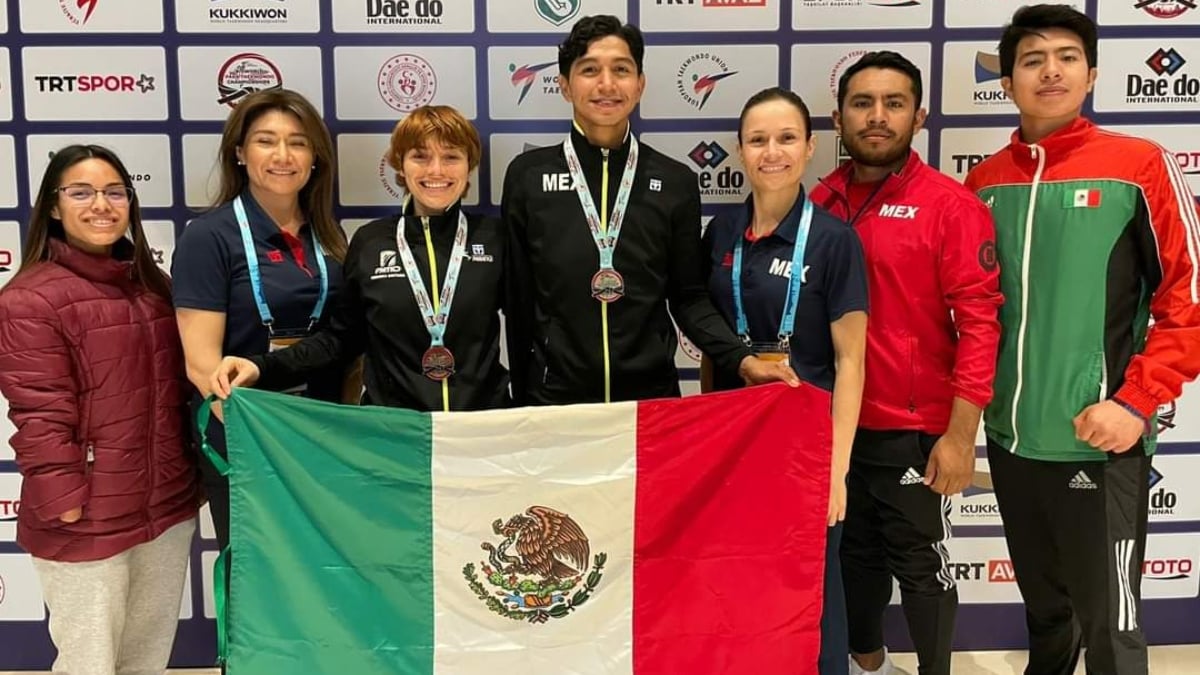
[
  {"x": 435, "y": 321},
  {"x": 787, "y": 322},
  {"x": 604, "y": 234},
  {"x": 256, "y": 286}
]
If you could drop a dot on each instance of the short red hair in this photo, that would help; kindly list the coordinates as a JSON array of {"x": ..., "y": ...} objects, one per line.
[{"x": 441, "y": 123}]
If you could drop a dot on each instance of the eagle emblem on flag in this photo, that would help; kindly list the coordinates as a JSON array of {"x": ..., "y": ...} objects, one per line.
[{"x": 551, "y": 574}]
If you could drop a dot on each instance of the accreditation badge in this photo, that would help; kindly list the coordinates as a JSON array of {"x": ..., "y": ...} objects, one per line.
[{"x": 770, "y": 351}]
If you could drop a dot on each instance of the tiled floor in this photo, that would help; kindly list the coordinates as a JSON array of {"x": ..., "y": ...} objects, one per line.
[
  {"x": 1179, "y": 660},
  {"x": 1176, "y": 660}
]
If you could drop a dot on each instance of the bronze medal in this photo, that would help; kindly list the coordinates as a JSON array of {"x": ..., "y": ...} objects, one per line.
[
  {"x": 437, "y": 363},
  {"x": 608, "y": 286}
]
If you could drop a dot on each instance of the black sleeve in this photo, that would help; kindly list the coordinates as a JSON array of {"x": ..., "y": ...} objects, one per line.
[
  {"x": 706, "y": 253},
  {"x": 845, "y": 279},
  {"x": 518, "y": 286},
  {"x": 687, "y": 289},
  {"x": 340, "y": 342},
  {"x": 200, "y": 269}
]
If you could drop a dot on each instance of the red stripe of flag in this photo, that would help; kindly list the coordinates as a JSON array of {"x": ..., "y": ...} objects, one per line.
[{"x": 729, "y": 538}]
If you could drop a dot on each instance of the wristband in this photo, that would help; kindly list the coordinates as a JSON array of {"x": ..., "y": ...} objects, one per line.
[{"x": 1133, "y": 411}]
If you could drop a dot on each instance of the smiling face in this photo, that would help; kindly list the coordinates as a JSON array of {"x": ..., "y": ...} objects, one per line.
[
  {"x": 96, "y": 223},
  {"x": 435, "y": 175},
  {"x": 603, "y": 86},
  {"x": 774, "y": 147},
  {"x": 1050, "y": 81},
  {"x": 278, "y": 155},
  {"x": 879, "y": 117}
]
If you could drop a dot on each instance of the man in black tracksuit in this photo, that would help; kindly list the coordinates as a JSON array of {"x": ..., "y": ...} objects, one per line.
[{"x": 565, "y": 345}]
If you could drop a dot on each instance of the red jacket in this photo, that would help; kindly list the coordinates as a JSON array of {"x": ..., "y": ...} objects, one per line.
[
  {"x": 92, "y": 368},
  {"x": 935, "y": 290}
]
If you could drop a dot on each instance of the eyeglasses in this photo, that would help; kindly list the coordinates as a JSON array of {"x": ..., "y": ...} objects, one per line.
[{"x": 118, "y": 195}]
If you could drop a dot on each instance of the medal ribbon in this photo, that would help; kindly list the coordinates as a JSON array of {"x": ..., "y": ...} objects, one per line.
[
  {"x": 435, "y": 317},
  {"x": 256, "y": 287},
  {"x": 605, "y": 237},
  {"x": 787, "y": 322}
]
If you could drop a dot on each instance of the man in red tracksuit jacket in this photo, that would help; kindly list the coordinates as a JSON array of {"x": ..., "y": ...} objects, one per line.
[{"x": 931, "y": 355}]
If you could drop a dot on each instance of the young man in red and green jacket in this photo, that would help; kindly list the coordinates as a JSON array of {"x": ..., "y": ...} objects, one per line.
[{"x": 1097, "y": 233}]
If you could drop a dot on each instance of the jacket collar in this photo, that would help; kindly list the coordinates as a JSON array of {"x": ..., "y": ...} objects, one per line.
[
  {"x": 1056, "y": 145},
  {"x": 447, "y": 221},
  {"x": 787, "y": 228},
  {"x": 592, "y": 154},
  {"x": 106, "y": 269},
  {"x": 260, "y": 222},
  {"x": 838, "y": 181}
]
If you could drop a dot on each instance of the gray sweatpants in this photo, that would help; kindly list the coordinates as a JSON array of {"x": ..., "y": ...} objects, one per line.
[{"x": 117, "y": 616}]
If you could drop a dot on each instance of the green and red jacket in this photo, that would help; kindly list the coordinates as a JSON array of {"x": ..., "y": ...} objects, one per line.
[{"x": 1096, "y": 233}]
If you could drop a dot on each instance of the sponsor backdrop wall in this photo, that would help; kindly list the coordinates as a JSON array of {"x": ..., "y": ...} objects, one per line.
[{"x": 154, "y": 80}]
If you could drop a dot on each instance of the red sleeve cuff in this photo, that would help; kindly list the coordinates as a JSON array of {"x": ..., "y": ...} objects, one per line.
[
  {"x": 1134, "y": 397},
  {"x": 979, "y": 399}
]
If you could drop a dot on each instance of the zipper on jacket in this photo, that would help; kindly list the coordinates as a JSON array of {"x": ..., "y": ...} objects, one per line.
[
  {"x": 867, "y": 202},
  {"x": 1103, "y": 377},
  {"x": 604, "y": 305},
  {"x": 89, "y": 458},
  {"x": 145, "y": 322},
  {"x": 436, "y": 298},
  {"x": 912, "y": 375},
  {"x": 1039, "y": 153}
]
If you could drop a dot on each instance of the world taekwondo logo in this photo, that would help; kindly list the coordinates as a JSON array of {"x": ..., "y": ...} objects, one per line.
[
  {"x": 552, "y": 574},
  {"x": 698, "y": 76},
  {"x": 524, "y": 77}
]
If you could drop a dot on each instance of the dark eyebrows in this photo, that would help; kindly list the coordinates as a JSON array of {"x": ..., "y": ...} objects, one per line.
[
  {"x": 890, "y": 96},
  {"x": 83, "y": 184},
  {"x": 271, "y": 134},
  {"x": 590, "y": 60},
  {"x": 1042, "y": 52}
]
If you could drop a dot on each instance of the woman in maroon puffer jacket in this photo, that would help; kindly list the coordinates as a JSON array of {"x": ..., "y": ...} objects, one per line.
[{"x": 91, "y": 364}]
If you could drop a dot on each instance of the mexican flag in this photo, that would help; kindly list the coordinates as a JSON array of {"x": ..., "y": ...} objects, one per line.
[
  {"x": 1085, "y": 198},
  {"x": 674, "y": 536}
]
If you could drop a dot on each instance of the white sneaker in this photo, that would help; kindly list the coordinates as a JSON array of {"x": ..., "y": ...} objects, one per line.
[{"x": 888, "y": 668}]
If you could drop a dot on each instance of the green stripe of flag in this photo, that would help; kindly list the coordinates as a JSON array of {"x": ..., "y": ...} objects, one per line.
[{"x": 291, "y": 571}]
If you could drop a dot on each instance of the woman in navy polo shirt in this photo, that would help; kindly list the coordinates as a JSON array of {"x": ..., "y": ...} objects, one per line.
[
  {"x": 791, "y": 280},
  {"x": 263, "y": 267},
  {"x": 423, "y": 288}
]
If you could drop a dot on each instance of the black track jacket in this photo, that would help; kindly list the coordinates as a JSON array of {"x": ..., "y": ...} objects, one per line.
[{"x": 556, "y": 335}]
